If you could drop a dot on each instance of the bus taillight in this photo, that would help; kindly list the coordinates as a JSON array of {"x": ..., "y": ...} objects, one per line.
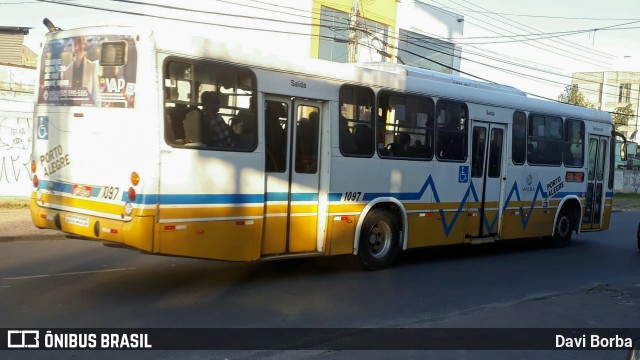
[
  {"x": 132, "y": 194},
  {"x": 35, "y": 181},
  {"x": 135, "y": 178},
  {"x": 33, "y": 166}
]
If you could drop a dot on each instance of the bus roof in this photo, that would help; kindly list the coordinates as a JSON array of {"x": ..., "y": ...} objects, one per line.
[{"x": 410, "y": 71}]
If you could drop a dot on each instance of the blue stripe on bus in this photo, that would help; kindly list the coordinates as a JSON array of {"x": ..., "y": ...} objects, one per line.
[
  {"x": 470, "y": 195},
  {"x": 201, "y": 199},
  {"x": 220, "y": 199},
  {"x": 567, "y": 193},
  {"x": 283, "y": 196},
  {"x": 55, "y": 186},
  {"x": 192, "y": 199},
  {"x": 407, "y": 196},
  {"x": 235, "y": 199}
]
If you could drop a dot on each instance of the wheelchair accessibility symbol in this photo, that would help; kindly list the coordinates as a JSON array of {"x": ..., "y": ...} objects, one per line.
[
  {"x": 463, "y": 174},
  {"x": 43, "y": 128}
]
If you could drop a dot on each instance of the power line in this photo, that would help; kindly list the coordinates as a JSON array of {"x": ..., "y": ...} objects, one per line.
[
  {"x": 286, "y": 32},
  {"x": 177, "y": 19},
  {"x": 563, "y": 53},
  {"x": 223, "y": 14},
  {"x": 169, "y": 7},
  {"x": 305, "y": 11},
  {"x": 446, "y": 50},
  {"x": 550, "y": 16},
  {"x": 558, "y": 41}
]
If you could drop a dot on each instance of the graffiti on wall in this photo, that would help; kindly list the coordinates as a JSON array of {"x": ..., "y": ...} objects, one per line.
[
  {"x": 631, "y": 181},
  {"x": 15, "y": 150}
]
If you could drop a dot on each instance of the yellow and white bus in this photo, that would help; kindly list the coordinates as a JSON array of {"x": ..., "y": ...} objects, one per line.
[{"x": 317, "y": 158}]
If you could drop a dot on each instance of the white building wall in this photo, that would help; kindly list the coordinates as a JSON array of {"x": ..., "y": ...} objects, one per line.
[
  {"x": 16, "y": 123},
  {"x": 421, "y": 18}
]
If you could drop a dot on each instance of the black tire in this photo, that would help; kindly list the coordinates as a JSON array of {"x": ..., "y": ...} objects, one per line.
[
  {"x": 379, "y": 240},
  {"x": 563, "y": 229}
]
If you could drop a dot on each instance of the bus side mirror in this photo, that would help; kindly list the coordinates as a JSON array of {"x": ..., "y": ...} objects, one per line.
[{"x": 623, "y": 144}]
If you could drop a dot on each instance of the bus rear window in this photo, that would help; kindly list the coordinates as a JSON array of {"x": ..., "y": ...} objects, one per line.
[
  {"x": 95, "y": 71},
  {"x": 113, "y": 53}
]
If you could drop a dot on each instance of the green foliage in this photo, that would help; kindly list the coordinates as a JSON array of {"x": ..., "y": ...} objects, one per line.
[
  {"x": 571, "y": 95},
  {"x": 622, "y": 114}
]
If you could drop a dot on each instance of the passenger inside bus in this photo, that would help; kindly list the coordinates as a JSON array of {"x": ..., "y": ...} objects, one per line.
[
  {"x": 193, "y": 128},
  {"x": 420, "y": 150},
  {"x": 220, "y": 132},
  {"x": 402, "y": 146},
  {"x": 173, "y": 123},
  {"x": 451, "y": 137},
  {"x": 363, "y": 136},
  {"x": 347, "y": 142},
  {"x": 307, "y": 129},
  {"x": 307, "y": 144},
  {"x": 275, "y": 137},
  {"x": 243, "y": 129}
]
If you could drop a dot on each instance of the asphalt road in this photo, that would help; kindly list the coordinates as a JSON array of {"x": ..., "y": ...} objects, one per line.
[{"x": 56, "y": 282}]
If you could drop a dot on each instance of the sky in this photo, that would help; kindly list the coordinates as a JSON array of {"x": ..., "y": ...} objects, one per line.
[{"x": 605, "y": 33}]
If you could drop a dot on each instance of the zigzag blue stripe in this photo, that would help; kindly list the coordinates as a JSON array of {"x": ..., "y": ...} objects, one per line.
[
  {"x": 471, "y": 192},
  {"x": 523, "y": 218}
]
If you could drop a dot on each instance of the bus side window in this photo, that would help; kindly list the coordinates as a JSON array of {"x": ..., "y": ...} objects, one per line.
[
  {"x": 451, "y": 133},
  {"x": 519, "y": 138},
  {"x": 405, "y": 126},
  {"x": 355, "y": 123},
  {"x": 545, "y": 140},
  {"x": 186, "y": 82},
  {"x": 573, "y": 143}
]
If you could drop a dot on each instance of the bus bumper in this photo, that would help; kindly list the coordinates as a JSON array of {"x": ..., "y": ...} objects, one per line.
[{"x": 137, "y": 232}]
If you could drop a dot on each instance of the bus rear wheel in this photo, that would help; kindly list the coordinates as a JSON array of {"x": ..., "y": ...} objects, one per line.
[
  {"x": 379, "y": 240},
  {"x": 562, "y": 231}
]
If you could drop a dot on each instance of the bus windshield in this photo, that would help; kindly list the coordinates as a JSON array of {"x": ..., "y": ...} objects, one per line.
[{"x": 95, "y": 71}]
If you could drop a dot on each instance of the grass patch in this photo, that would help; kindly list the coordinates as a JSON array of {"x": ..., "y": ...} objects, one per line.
[
  {"x": 14, "y": 202},
  {"x": 623, "y": 201}
]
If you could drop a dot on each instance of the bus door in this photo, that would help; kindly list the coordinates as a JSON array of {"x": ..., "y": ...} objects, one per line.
[
  {"x": 595, "y": 182},
  {"x": 292, "y": 138},
  {"x": 488, "y": 177}
]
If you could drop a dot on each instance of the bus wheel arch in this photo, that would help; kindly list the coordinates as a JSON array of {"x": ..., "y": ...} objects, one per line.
[
  {"x": 567, "y": 220},
  {"x": 380, "y": 233}
]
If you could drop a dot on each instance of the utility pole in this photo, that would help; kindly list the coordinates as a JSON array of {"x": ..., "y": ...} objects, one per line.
[{"x": 352, "y": 49}]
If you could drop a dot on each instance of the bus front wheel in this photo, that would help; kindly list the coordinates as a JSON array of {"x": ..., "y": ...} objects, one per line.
[
  {"x": 563, "y": 229},
  {"x": 379, "y": 239}
]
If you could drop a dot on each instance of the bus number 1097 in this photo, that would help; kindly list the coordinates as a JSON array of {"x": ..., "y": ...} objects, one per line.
[{"x": 352, "y": 196}]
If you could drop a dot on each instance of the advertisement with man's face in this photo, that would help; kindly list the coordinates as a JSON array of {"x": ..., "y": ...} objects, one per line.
[{"x": 89, "y": 71}]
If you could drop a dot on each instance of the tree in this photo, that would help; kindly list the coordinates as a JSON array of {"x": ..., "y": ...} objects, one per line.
[
  {"x": 622, "y": 114},
  {"x": 571, "y": 95}
]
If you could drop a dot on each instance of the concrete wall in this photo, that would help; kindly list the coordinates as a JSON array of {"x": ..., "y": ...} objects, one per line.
[
  {"x": 627, "y": 181},
  {"x": 16, "y": 124}
]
